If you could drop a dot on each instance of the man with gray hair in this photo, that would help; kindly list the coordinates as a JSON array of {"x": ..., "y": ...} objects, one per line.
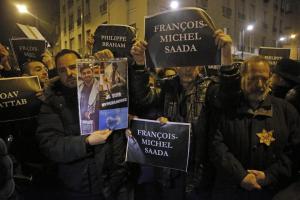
[{"x": 251, "y": 145}]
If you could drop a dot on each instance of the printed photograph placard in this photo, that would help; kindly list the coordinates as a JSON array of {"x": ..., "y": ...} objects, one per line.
[
  {"x": 117, "y": 38},
  {"x": 18, "y": 98},
  {"x": 102, "y": 89},
  {"x": 156, "y": 144},
  {"x": 273, "y": 55},
  {"x": 27, "y": 49},
  {"x": 182, "y": 37}
]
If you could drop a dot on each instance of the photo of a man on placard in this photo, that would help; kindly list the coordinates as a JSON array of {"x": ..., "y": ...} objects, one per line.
[
  {"x": 87, "y": 93},
  {"x": 113, "y": 76},
  {"x": 112, "y": 81}
]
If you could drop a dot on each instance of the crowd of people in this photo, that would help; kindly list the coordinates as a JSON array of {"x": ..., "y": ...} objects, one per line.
[{"x": 244, "y": 143}]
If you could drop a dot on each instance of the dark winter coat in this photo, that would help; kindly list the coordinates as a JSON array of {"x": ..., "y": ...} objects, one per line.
[
  {"x": 236, "y": 148},
  {"x": 82, "y": 171},
  {"x": 172, "y": 101}
]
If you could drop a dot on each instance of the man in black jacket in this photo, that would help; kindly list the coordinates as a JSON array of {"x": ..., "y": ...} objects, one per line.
[
  {"x": 286, "y": 85},
  {"x": 33, "y": 173},
  {"x": 252, "y": 145},
  {"x": 89, "y": 166},
  {"x": 180, "y": 98},
  {"x": 286, "y": 81}
]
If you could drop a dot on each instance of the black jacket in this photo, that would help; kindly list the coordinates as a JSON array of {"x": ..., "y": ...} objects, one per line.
[
  {"x": 7, "y": 185},
  {"x": 171, "y": 101},
  {"x": 81, "y": 170},
  {"x": 236, "y": 147}
]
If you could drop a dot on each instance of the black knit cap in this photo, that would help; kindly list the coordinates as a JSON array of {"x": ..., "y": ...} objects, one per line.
[{"x": 288, "y": 69}]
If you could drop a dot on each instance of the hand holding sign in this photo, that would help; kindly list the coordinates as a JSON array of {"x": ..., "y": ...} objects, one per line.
[
  {"x": 138, "y": 52},
  {"x": 3, "y": 52},
  {"x": 4, "y": 55},
  {"x": 104, "y": 54},
  {"x": 222, "y": 39},
  {"x": 47, "y": 59},
  {"x": 163, "y": 120},
  {"x": 224, "y": 42},
  {"x": 128, "y": 131},
  {"x": 98, "y": 137},
  {"x": 90, "y": 41}
]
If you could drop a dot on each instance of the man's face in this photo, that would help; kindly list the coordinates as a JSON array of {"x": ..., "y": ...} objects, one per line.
[
  {"x": 87, "y": 75},
  {"x": 96, "y": 70},
  {"x": 255, "y": 83},
  {"x": 169, "y": 73},
  {"x": 186, "y": 75},
  {"x": 276, "y": 80},
  {"x": 66, "y": 67},
  {"x": 38, "y": 69}
]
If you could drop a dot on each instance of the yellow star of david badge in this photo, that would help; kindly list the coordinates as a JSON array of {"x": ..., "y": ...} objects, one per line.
[{"x": 266, "y": 137}]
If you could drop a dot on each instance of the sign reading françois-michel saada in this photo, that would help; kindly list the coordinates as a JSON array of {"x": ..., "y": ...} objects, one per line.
[
  {"x": 156, "y": 144},
  {"x": 184, "y": 37}
]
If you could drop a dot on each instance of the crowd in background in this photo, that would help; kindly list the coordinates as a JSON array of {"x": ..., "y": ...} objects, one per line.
[{"x": 244, "y": 142}]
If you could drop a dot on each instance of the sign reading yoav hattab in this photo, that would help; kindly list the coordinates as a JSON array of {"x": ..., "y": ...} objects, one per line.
[
  {"x": 117, "y": 38},
  {"x": 102, "y": 89},
  {"x": 183, "y": 37},
  {"x": 18, "y": 98},
  {"x": 156, "y": 144},
  {"x": 25, "y": 49},
  {"x": 273, "y": 55}
]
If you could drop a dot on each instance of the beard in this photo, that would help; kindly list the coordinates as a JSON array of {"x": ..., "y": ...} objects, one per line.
[
  {"x": 252, "y": 93},
  {"x": 88, "y": 81},
  {"x": 186, "y": 75},
  {"x": 256, "y": 97}
]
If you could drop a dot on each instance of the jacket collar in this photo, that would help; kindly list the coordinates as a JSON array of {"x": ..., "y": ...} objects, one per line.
[{"x": 264, "y": 109}]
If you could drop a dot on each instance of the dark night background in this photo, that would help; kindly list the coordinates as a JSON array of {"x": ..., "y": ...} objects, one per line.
[{"x": 47, "y": 12}]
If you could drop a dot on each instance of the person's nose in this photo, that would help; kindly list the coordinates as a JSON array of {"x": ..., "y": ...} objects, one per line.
[
  {"x": 44, "y": 72},
  {"x": 260, "y": 83},
  {"x": 68, "y": 72}
]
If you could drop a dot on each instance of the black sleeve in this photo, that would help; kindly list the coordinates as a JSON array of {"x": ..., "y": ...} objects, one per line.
[
  {"x": 288, "y": 160},
  {"x": 10, "y": 73},
  {"x": 198, "y": 152},
  {"x": 52, "y": 140},
  {"x": 224, "y": 160},
  {"x": 293, "y": 96},
  {"x": 140, "y": 91},
  {"x": 119, "y": 170},
  {"x": 52, "y": 73}
]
